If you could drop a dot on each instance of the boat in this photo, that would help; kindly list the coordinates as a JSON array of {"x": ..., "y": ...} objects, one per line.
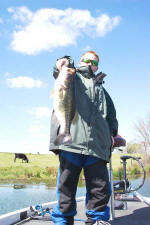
[
  {"x": 128, "y": 207},
  {"x": 136, "y": 211}
]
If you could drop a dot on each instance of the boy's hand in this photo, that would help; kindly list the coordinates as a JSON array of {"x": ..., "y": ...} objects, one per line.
[
  {"x": 118, "y": 141},
  {"x": 64, "y": 77},
  {"x": 62, "y": 62}
]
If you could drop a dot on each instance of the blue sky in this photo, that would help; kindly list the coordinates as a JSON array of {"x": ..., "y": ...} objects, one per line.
[{"x": 33, "y": 34}]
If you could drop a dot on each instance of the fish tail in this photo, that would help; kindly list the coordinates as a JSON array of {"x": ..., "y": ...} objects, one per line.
[{"x": 63, "y": 139}]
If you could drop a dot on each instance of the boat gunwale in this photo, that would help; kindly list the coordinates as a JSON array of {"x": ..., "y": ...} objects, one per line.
[{"x": 15, "y": 216}]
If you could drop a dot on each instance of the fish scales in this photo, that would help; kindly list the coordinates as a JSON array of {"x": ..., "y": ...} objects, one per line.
[{"x": 64, "y": 105}]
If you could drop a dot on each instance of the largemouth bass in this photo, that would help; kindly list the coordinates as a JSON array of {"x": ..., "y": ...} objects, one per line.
[{"x": 64, "y": 104}]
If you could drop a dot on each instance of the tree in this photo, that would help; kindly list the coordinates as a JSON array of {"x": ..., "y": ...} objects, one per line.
[
  {"x": 143, "y": 130},
  {"x": 133, "y": 148}
]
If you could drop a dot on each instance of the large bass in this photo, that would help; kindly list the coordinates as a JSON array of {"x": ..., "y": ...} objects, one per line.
[{"x": 64, "y": 104}]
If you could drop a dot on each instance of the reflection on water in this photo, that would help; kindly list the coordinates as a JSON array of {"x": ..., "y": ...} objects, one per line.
[
  {"x": 24, "y": 196},
  {"x": 20, "y": 195},
  {"x": 19, "y": 186}
]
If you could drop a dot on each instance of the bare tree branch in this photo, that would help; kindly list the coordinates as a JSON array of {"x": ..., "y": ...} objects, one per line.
[{"x": 143, "y": 130}]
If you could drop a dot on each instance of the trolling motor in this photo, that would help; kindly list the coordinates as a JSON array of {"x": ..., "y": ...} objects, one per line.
[
  {"x": 121, "y": 188},
  {"x": 124, "y": 187}
]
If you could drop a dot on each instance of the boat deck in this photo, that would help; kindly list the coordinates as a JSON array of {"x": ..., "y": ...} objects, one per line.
[{"x": 138, "y": 213}]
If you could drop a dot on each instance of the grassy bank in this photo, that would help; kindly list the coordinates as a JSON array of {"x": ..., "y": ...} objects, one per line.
[
  {"x": 133, "y": 168},
  {"x": 43, "y": 168},
  {"x": 39, "y": 168}
]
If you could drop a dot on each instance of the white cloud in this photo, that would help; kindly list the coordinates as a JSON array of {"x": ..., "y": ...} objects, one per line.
[
  {"x": 23, "y": 82},
  {"x": 7, "y": 74},
  {"x": 40, "y": 112},
  {"x": 22, "y": 14},
  {"x": 106, "y": 24},
  {"x": 47, "y": 29},
  {"x": 87, "y": 48}
]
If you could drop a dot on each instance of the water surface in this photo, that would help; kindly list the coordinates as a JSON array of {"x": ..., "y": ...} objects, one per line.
[{"x": 18, "y": 197}]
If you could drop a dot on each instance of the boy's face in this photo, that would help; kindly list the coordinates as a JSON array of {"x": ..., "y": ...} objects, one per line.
[{"x": 89, "y": 60}]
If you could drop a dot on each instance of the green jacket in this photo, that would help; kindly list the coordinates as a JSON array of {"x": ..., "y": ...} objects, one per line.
[{"x": 94, "y": 122}]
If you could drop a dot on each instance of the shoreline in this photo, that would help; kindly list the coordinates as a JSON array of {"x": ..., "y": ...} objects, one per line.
[{"x": 43, "y": 168}]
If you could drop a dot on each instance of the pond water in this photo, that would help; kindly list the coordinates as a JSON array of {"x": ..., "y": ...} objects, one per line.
[{"x": 13, "y": 197}]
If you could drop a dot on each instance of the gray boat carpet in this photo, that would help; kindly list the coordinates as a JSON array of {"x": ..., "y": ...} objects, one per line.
[{"x": 137, "y": 214}]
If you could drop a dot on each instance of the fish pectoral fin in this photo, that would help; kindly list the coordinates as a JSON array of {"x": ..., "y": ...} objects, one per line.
[{"x": 61, "y": 95}]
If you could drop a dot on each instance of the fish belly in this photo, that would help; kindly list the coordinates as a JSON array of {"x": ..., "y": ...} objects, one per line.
[{"x": 64, "y": 110}]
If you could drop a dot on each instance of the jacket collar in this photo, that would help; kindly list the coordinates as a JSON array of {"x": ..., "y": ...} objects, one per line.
[
  {"x": 98, "y": 79},
  {"x": 85, "y": 71}
]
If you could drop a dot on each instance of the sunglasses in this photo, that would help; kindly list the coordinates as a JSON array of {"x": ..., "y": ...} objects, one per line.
[{"x": 94, "y": 62}]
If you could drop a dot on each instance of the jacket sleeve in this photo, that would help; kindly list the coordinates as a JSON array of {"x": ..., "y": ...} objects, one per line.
[{"x": 111, "y": 115}]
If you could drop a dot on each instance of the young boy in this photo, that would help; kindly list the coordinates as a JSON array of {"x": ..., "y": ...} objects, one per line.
[{"x": 92, "y": 129}]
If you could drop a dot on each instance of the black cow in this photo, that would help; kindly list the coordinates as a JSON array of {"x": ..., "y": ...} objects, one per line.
[{"x": 21, "y": 156}]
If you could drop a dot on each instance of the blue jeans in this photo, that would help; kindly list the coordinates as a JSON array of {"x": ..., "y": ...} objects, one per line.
[{"x": 97, "y": 187}]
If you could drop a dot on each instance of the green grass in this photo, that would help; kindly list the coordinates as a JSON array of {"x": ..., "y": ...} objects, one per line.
[
  {"x": 40, "y": 167},
  {"x": 40, "y": 160},
  {"x": 43, "y": 168},
  {"x": 132, "y": 166}
]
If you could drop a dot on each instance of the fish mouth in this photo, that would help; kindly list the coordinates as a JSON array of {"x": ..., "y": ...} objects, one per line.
[{"x": 63, "y": 139}]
